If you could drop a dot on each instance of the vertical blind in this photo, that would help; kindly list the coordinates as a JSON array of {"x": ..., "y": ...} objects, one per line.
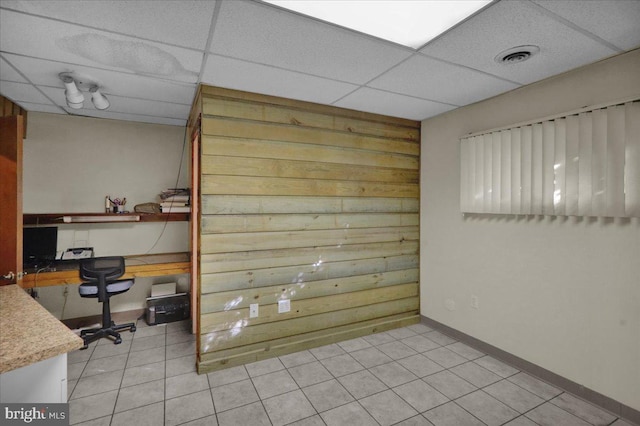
[{"x": 585, "y": 164}]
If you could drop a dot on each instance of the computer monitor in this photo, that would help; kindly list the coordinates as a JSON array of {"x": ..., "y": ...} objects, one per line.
[{"x": 39, "y": 246}]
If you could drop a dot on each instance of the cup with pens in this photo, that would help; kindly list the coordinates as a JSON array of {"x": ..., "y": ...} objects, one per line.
[{"x": 118, "y": 205}]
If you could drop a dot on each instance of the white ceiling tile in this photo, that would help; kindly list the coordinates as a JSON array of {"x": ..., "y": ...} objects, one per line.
[
  {"x": 261, "y": 33},
  {"x": 45, "y": 73},
  {"x": 392, "y": 104},
  {"x": 183, "y": 23},
  {"x": 57, "y": 95},
  {"x": 125, "y": 105},
  {"x": 146, "y": 52},
  {"x": 154, "y": 108},
  {"x": 78, "y": 45},
  {"x": 617, "y": 22},
  {"x": 476, "y": 42},
  {"x": 127, "y": 117},
  {"x": 9, "y": 74},
  {"x": 53, "y": 109},
  {"x": 439, "y": 81},
  {"x": 22, "y": 92},
  {"x": 241, "y": 75}
]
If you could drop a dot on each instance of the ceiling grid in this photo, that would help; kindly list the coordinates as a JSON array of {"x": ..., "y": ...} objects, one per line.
[{"x": 148, "y": 57}]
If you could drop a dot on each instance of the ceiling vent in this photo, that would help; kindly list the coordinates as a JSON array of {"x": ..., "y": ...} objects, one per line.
[{"x": 516, "y": 54}]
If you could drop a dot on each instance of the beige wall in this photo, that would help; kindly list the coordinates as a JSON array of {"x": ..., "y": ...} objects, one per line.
[
  {"x": 71, "y": 163},
  {"x": 563, "y": 293}
]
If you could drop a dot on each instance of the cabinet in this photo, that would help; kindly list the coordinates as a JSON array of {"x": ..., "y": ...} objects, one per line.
[
  {"x": 42, "y": 382},
  {"x": 33, "y": 360}
]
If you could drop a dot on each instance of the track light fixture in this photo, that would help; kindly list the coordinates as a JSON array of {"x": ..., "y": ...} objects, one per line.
[
  {"x": 75, "y": 99},
  {"x": 98, "y": 99}
]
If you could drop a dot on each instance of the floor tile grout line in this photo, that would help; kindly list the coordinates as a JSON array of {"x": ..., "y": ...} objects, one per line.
[
  {"x": 549, "y": 401},
  {"x": 164, "y": 401},
  {"x": 338, "y": 381},
  {"x": 501, "y": 376},
  {"x": 446, "y": 369},
  {"x": 503, "y": 402},
  {"x": 544, "y": 401},
  {"x": 69, "y": 394},
  {"x": 308, "y": 417},
  {"x": 479, "y": 366},
  {"x": 421, "y": 412},
  {"x": 336, "y": 378},
  {"x": 213, "y": 401},
  {"x": 513, "y": 408},
  {"x": 522, "y": 415},
  {"x": 115, "y": 404},
  {"x": 242, "y": 405},
  {"x": 470, "y": 413},
  {"x": 580, "y": 399},
  {"x": 117, "y": 389},
  {"x": 531, "y": 392},
  {"x": 367, "y": 411}
]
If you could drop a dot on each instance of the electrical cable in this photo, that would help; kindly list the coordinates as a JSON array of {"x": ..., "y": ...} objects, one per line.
[
  {"x": 34, "y": 290},
  {"x": 166, "y": 221},
  {"x": 64, "y": 305}
]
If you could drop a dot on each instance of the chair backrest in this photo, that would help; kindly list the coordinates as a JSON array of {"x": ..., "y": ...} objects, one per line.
[
  {"x": 102, "y": 268},
  {"x": 102, "y": 271}
]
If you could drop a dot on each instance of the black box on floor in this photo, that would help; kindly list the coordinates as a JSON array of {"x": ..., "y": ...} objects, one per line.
[{"x": 165, "y": 309}]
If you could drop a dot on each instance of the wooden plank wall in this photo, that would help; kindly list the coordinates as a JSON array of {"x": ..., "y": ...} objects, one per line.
[{"x": 310, "y": 203}]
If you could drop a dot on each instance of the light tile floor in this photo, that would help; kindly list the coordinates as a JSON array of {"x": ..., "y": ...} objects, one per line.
[{"x": 408, "y": 376}]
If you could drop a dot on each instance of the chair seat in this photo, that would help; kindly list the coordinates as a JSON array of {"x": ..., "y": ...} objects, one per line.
[{"x": 91, "y": 290}]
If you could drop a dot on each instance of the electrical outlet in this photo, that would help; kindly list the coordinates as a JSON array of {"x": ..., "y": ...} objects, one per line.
[
  {"x": 284, "y": 306},
  {"x": 475, "y": 304},
  {"x": 253, "y": 310}
]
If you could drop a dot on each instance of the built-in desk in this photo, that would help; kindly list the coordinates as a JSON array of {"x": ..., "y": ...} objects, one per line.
[
  {"x": 33, "y": 350},
  {"x": 150, "y": 265}
]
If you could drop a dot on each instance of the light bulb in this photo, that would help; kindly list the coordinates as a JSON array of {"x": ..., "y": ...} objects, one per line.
[
  {"x": 74, "y": 97},
  {"x": 99, "y": 100}
]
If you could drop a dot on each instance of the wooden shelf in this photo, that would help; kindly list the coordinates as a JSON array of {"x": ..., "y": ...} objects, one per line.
[
  {"x": 59, "y": 218},
  {"x": 150, "y": 265}
]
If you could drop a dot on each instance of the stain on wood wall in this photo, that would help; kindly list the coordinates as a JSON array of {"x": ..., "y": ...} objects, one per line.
[{"x": 310, "y": 203}]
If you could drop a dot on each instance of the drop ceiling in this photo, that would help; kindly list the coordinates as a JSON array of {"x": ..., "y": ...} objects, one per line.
[{"x": 150, "y": 56}]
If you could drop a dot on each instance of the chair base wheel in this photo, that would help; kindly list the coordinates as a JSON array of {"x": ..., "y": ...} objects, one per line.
[{"x": 90, "y": 335}]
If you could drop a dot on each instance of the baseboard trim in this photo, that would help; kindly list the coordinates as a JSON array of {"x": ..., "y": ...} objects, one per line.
[
  {"x": 605, "y": 402},
  {"x": 117, "y": 317}
]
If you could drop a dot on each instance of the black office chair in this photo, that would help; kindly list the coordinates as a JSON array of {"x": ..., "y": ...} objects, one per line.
[{"x": 100, "y": 276}]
